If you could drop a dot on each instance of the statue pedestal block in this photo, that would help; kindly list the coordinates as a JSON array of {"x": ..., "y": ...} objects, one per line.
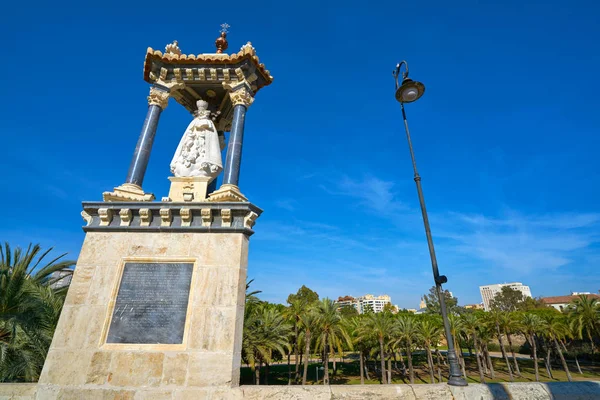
[
  {"x": 112, "y": 340},
  {"x": 188, "y": 188}
]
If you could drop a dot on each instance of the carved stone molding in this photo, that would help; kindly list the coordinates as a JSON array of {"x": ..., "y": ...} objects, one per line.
[
  {"x": 226, "y": 217},
  {"x": 158, "y": 97},
  {"x": 206, "y": 214},
  {"x": 105, "y": 216},
  {"x": 145, "y": 217},
  {"x": 241, "y": 96},
  {"x": 125, "y": 215},
  {"x": 250, "y": 220},
  {"x": 231, "y": 217},
  {"x": 127, "y": 192},
  {"x": 186, "y": 216},
  {"x": 227, "y": 192},
  {"x": 165, "y": 217}
]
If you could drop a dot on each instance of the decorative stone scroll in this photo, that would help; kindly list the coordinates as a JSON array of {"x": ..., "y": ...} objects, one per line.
[
  {"x": 241, "y": 96},
  {"x": 158, "y": 97}
]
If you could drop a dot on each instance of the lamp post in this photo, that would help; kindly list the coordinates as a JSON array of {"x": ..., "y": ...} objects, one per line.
[{"x": 407, "y": 92}]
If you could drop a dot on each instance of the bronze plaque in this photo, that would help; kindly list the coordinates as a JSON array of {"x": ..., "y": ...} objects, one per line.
[{"x": 151, "y": 304}]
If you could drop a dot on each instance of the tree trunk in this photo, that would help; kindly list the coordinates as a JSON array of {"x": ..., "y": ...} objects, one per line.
[
  {"x": 382, "y": 356},
  {"x": 461, "y": 359},
  {"x": 367, "y": 368},
  {"x": 578, "y": 367},
  {"x": 296, "y": 351},
  {"x": 411, "y": 371},
  {"x": 439, "y": 364},
  {"x": 289, "y": 369},
  {"x": 535, "y": 358},
  {"x": 430, "y": 362},
  {"x": 510, "y": 375},
  {"x": 475, "y": 344},
  {"x": 326, "y": 365},
  {"x": 334, "y": 365},
  {"x": 512, "y": 351},
  {"x": 489, "y": 361},
  {"x": 389, "y": 371},
  {"x": 562, "y": 360},
  {"x": 306, "y": 354},
  {"x": 362, "y": 366},
  {"x": 547, "y": 361},
  {"x": 402, "y": 362},
  {"x": 257, "y": 375},
  {"x": 266, "y": 374},
  {"x": 592, "y": 343}
]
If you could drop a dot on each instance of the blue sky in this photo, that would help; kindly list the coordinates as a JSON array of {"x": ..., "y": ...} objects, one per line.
[{"x": 506, "y": 136}]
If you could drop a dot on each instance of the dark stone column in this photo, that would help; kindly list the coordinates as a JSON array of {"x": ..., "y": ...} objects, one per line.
[
  {"x": 141, "y": 155},
  {"x": 231, "y": 174}
]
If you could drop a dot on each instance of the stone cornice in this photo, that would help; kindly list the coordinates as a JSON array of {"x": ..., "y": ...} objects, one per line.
[{"x": 169, "y": 217}]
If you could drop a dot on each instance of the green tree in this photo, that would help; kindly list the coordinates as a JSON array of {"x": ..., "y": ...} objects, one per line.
[
  {"x": 555, "y": 329},
  {"x": 429, "y": 331},
  {"x": 497, "y": 319},
  {"x": 406, "y": 333},
  {"x": 332, "y": 332},
  {"x": 380, "y": 326},
  {"x": 29, "y": 310},
  {"x": 348, "y": 311},
  {"x": 508, "y": 299},
  {"x": 308, "y": 322},
  {"x": 471, "y": 323},
  {"x": 298, "y": 302},
  {"x": 585, "y": 314},
  {"x": 511, "y": 325},
  {"x": 531, "y": 303},
  {"x": 265, "y": 330},
  {"x": 532, "y": 324},
  {"x": 432, "y": 300}
]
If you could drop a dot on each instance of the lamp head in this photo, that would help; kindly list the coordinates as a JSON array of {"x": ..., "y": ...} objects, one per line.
[{"x": 409, "y": 90}]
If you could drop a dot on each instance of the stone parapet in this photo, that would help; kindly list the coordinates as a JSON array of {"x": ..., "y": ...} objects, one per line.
[
  {"x": 496, "y": 391},
  {"x": 222, "y": 217}
]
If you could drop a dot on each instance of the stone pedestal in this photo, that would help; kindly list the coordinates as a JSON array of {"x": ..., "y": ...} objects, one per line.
[
  {"x": 211, "y": 236},
  {"x": 189, "y": 188}
]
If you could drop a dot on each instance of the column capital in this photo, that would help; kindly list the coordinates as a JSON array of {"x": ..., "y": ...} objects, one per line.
[
  {"x": 241, "y": 96},
  {"x": 158, "y": 97}
]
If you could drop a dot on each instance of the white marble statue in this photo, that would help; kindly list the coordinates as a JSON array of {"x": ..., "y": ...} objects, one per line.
[{"x": 198, "y": 153}]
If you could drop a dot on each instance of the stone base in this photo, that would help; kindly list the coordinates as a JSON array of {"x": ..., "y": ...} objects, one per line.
[
  {"x": 227, "y": 192},
  {"x": 188, "y": 189},
  {"x": 583, "y": 390},
  {"x": 127, "y": 192},
  {"x": 81, "y": 365}
]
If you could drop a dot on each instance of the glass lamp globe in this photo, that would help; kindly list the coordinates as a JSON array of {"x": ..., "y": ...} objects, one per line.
[{"x": 409, "y": 91}]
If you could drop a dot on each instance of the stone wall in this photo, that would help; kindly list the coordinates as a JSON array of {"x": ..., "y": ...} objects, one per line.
[
  {"x": 506, "y": 391},
  {"x": 81, "y": 365}
]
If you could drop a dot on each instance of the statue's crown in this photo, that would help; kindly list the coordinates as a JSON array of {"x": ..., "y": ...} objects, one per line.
[{"x": 202, "y": 105}]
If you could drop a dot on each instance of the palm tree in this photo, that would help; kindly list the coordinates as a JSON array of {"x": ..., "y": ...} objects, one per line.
[
  {"x": 265, "y": 330},
  {"x": 429, "y": 331},
  {"x": 555, "y": 329},
  {"x": 585, "y": 311},
  {"x": 456, "y": 329},
  {"x": 332, "y": 332},
  {"x": 510, "y": 324},
  {"x": 532, "y": 324},
  {"x": 29, "y": 309},
  {"x": 471, "y": 327},
  {"x": 379, "y": 325},
  {"x": 307, "y": 322},
  {"x": 293, "y": 313},
  {"x": 496, "y": 319},
  {"x": 406, "y": 332}
]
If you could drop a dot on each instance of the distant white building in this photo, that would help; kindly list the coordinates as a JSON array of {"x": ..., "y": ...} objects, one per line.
[
  {"x": 489, "y": 291},
  {"x": 562, "y": 302},
  {"x": 361, "y": 304}
]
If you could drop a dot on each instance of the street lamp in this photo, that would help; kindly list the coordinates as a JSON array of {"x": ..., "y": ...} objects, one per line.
[{"x": 407, "y": 92}]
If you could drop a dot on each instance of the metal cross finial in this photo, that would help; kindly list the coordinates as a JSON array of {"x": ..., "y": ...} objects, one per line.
[{"x": 224, "y": 28}]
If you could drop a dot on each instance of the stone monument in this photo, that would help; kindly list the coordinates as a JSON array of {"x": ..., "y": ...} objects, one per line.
[{"x": 156, "y": 305}]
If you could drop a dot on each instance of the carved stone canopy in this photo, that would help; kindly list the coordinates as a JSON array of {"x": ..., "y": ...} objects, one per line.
[{"x": 207, "y": 77}]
